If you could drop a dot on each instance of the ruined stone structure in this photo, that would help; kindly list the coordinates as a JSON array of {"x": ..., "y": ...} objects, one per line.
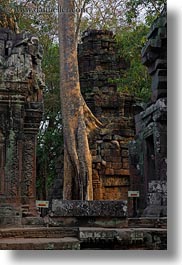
[
  {"x": 102, "y": 223},
  {"x": 148, "y": 151},
  {"x": 21, "y": 83},
  {"x": 99, "y": 66}
]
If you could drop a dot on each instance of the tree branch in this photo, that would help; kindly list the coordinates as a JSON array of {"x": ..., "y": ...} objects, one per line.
[{"x": 79, "y": 20}]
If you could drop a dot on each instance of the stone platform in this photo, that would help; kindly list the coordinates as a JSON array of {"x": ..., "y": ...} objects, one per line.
[
  {"x": 76, "y": 213},
  {"x": 66, "y": 243},
  {"x": 39, "y": 238},
  {"x": 83, "y": 238},
  {"x": 84, "y": 225},
  {"x": 123, "y": 239}
]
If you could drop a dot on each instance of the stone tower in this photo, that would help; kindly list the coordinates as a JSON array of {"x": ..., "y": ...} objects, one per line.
[{"x": 99, "y": 66}]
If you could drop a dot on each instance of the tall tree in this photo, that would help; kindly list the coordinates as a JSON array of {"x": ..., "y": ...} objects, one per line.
[{"x": 78, "y": 121}]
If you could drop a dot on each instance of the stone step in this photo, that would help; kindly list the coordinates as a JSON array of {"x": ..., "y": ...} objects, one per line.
[
  {"x": 66, "y": 243},
  {"x": 39, "y": 232},
  {"x": 146, "y": 222},
  {"x": 83, "y": 238},
  {"x": 123, "y": 239}
]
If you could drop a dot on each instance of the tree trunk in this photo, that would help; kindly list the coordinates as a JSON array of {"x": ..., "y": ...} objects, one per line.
[{"x": 78, "y": 120}]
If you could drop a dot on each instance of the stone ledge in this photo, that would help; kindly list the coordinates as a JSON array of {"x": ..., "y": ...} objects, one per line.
[
  {"x": 38, "y": 232},
  {"x": 148, "y": 222},
  {"x": 123, "y": 239},
  {"x": 87, "y": 221},
  {"x": 89, "y": 208},
  {"x": 66, "y": 243}
]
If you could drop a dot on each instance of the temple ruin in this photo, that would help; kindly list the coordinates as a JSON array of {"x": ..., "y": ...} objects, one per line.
[
  {"x": 148, "y": 152},
  {"x": 129, "y": 152},
  {"x": 21, "y": 108},
  {"x": 99, "y": 65}
]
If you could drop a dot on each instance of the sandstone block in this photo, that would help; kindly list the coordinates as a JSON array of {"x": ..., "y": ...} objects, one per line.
[
  {"x": 116, "y": 165},
  {"x": 123, "y": 172},
  {"x": 89, "y": 208},
  {"x": 125, "y": 165},
  {"x": 125, "y": 153},
  {"x": 109, "y": 171}
]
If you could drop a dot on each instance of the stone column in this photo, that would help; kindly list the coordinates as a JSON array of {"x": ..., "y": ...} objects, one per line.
[
  {"x": 28, "y": 190},
  {"x": 28, "y": 183}
]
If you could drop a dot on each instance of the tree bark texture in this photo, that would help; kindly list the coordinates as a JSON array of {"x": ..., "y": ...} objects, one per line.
[{"x": 78, "y": 120}]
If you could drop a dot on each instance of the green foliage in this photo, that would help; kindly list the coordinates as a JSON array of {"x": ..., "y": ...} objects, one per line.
[
  {"x": 142, "y": 10},
  {"x": 135, "y": 80},
  {"x": 50, "y": 141},
  {"x": 50, "y": 65}
]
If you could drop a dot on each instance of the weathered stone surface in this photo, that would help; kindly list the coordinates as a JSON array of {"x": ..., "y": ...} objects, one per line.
[
  {"x": 9, "y": 216},
  {"x": 153, "y": 210},
  {"x": 148, "y": 152},
  {"x": 83, "y": 238},
  {"x": 99, "y": 64},
  {"x": 39, "y": 232},
  {"x": 88, "y": 221},
  {"x": 126, "y": 239},
  {"x": 148, "y": 222},
  {"x": 154, "y": 56},
  {"x": 66, "y": 243},
  {"x": 21, "y": 107},
  {"x": 33, "y": 221},
  {"x": 89, "y": 208},
  {"x": 111, "y": 181},
  {"x": 39, "y": 238}
]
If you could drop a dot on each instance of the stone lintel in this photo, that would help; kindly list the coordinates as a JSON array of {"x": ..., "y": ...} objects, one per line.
[{"x": 89, "y": 208}]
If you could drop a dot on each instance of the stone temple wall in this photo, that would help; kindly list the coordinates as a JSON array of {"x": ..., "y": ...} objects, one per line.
[
  {"x": 21, "y": 107},
  {"x": 148, "y": 152},
  {"x": 99, "y": 65}
]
